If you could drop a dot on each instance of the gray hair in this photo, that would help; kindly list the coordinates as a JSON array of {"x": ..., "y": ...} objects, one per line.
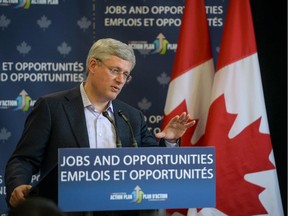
[{"x": 105, "y": 48}]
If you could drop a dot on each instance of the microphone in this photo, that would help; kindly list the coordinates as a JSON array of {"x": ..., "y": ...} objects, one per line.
[
  {"x": 121, "y": 114},
  {"x": 118, "y": 141}
]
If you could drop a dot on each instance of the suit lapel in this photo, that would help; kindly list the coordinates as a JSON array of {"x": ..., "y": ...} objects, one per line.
[{"x": 74, "y": 110}]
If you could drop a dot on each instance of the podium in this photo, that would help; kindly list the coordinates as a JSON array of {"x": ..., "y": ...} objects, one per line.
[{"x": 136, "y": 178}]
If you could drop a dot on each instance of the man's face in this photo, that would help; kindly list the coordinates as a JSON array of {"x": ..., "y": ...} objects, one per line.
[{"x": 106, "y": 84}]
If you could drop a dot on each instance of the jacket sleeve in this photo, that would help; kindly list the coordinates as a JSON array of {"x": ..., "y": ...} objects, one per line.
[{"x": 29, "y": 152}]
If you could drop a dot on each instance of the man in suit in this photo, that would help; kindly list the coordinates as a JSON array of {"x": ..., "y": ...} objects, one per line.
[{"x": 79, "y": 117}]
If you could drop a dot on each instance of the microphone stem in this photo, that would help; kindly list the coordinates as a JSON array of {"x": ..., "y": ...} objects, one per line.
[
  {"x": 121, "y": 114},
  {"x": 118, "y": 141}
]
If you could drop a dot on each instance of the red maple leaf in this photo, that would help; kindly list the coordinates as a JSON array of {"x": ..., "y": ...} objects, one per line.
[
  {"x": 186, "y": 138},
  {"x": 246, "y": 153}
]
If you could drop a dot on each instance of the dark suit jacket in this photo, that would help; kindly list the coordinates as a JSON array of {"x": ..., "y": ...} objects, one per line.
[{"x": 58, "y": 121}]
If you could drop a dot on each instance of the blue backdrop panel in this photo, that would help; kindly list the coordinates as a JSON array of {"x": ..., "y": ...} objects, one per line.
[
  {"x": 151, "y": 28},
  {"x": 42, "y": 50}
]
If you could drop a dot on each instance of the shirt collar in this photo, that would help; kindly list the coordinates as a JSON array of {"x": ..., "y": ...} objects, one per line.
[{"x": 87, "y": 103}]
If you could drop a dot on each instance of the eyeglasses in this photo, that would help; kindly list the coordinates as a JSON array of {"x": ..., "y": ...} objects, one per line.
[{"x": 117, "y": 72}]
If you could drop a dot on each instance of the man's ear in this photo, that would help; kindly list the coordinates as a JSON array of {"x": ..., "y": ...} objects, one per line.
[{"x": 92, "y": 64}]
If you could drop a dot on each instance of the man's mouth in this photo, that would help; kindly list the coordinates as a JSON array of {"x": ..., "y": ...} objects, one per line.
[{"x": 115, "y": 88}]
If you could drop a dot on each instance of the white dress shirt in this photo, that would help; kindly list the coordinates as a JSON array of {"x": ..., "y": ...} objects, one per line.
[{"x": 101, "y": 132}]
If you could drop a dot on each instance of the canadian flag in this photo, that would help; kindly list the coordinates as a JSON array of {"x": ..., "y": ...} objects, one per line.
[
  {"x": 246, "y": 178},
  {"x": 237, "y": 125},
  {"x": 193, "y": 71},
  {"x": 192, "y": 76}
]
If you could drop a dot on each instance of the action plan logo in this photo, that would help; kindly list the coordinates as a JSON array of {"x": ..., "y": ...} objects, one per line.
[
  {"x": 159, "y": 46},
  {"x": 137, "y": 196},
  {"x": 25, "y": 4},
  {"x": 22, "y": 102}
]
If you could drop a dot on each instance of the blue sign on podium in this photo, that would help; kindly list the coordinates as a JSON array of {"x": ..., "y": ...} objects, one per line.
[{"x": 136, "y": 178}]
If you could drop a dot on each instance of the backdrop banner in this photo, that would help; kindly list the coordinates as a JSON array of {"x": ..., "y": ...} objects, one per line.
[{"x": 44, "y": 45}]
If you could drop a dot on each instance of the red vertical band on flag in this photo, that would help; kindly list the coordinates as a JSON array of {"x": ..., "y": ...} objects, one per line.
[
  {"x": 238, "y": 40},
  {"x": 193, "y": 46}
]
